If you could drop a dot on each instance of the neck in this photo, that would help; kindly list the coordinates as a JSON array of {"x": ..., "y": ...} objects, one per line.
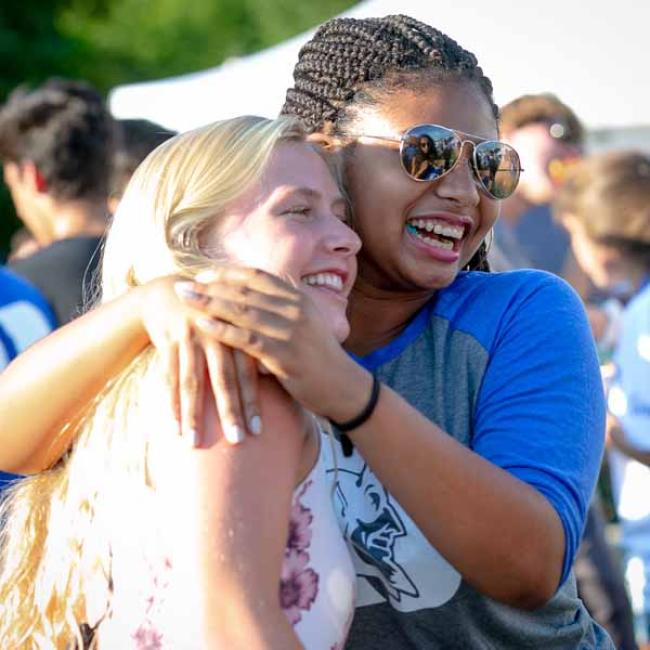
[
  {"x": 377, "y": 316},
  {"x": 77, "y": 218}
]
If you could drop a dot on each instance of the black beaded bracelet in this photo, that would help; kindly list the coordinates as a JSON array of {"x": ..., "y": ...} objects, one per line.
[{"x": 368, "y": 410}]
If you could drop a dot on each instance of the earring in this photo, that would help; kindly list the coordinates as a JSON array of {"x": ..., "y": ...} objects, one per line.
[{"x": 489, "y": 239}]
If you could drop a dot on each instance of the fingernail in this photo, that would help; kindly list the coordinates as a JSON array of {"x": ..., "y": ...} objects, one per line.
[
  {"x": 206, "y": 276},
  {"x": 194, "y": 437},
  {"x": 255, "y": 425},
  {"x": 185, "y": 289},
  {"x": 234, "y": 434},
  {"x": 206, "y": 324}
]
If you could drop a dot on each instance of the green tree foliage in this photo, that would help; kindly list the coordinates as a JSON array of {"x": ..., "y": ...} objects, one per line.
[
  {"x": 111, "y": 42},
  {"x": 133, "y": 40}
]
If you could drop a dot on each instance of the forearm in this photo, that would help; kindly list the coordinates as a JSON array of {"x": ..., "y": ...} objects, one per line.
[
  {"x": 619, "y": 441},
  {"x": 503, "y": 536},
  {"x": 51, "y": 383}
]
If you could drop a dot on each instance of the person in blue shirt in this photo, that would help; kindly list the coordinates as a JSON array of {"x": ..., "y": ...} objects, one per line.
[
  {"x": 605, "y": 206},
  {"x": 472, "y": 401},
  {"x": 25, "y": 317}
]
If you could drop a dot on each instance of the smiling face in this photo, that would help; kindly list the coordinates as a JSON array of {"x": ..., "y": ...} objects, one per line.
[
  {"x": 292, "y": 223},
  {"x": 417, "y": 236}
]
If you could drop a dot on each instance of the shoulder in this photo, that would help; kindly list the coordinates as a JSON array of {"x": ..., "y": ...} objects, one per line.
[
  {"x": 638, "y": 309},
  {"x": 482, "y": 304},
  {"x": 24, "y": 315},
  {"x": 633, "y": 346},
  {"x": 17, "y": 290},
  {"x": 69, "y": 253}
]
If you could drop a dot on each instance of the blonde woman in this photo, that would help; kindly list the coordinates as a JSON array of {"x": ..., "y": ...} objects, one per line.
[{"x": 137, "y": 539}]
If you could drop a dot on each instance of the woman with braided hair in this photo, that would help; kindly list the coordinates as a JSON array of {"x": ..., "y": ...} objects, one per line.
[{"x": 468, "y": 404}]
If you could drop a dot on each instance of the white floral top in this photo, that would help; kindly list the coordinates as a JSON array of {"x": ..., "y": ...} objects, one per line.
[{"x": 317, "y": 588}]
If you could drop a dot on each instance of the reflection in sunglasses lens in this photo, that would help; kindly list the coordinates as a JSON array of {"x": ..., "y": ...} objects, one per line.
[
  {"x": 430, "y": 151},
  {"x": 498, "y": 168}
]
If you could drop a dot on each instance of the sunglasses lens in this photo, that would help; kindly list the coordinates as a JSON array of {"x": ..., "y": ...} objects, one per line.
[
  {"x": 429, "y": 151},
  {"x": 498, "y": 168}
]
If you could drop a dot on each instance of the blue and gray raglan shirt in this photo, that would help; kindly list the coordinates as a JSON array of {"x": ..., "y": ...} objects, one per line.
[
  {"x": 24, "y": 318},
  {"x": 504, "y": 363}
]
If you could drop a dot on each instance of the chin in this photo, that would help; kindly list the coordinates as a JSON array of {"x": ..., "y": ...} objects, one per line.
[
  {"x": 335, "y": 316},
  {"x": 341, "y": 328},
  {"x": 436, "y": 279}
]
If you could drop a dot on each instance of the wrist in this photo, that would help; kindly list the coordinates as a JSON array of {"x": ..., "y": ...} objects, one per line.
[
  {"x": 364, "y": 415},
  {"x": 350, "y": 389}
]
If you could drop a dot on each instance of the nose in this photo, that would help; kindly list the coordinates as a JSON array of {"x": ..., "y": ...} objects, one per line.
[
  {"x": 341, "y": 239},
  {"x": 459, "y": 184}
]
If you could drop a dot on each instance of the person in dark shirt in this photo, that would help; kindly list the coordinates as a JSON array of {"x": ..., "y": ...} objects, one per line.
[
  {"x": 56, "y": 148},
  {"x": 136, "y": 139}
]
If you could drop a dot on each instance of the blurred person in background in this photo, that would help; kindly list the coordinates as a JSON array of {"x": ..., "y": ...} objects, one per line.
[
  {"x": 549, "y": 137},
  {"x": 551, "y": 140},
  {"x": 605, "y": 206},
  {"x": 135, "y": 140},
  {"x": 56, "y": 147}
]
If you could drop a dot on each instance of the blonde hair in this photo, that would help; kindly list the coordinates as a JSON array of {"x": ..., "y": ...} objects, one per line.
[
  {"x": 55, "y": 561},
  {"x": 609, "y": 194}
]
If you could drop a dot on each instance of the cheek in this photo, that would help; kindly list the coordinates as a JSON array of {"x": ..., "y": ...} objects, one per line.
[
  {"x": 277, "y": 250},
  {"x": 490, "y": 210},
  {"x": 380, "y": 206}
]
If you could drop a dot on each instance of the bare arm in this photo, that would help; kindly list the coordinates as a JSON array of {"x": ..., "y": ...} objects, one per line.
[
  {"x": 232, "y": 506},
  {"x": 502, "y": 535},
  {"x": 49, "y": 386},
  {"x": 616, "y": 438},
  {"x": 51, "y": 383}
]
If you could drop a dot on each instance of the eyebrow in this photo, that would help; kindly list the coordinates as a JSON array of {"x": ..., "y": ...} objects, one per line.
[
  {"x": 313, "y": 194},
  {"x": 469, "y": 136}
]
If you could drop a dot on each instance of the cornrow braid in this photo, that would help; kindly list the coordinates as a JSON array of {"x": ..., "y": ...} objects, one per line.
[{"x": 350, "y": 61}]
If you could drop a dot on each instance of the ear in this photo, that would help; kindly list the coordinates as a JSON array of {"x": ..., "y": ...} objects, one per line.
[
  {"x": 10, "y": 172},
  {"x": 32, "y": 175},
  {"x": 328, "y": 142},
  {"x": 39, "y": 180}
]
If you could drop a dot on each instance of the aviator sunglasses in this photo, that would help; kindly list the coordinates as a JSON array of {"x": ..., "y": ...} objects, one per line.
[{"x": 429, "y": 151}]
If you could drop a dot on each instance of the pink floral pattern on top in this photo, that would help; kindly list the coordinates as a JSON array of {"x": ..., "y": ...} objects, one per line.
[
  {"x": 298, "y": 582},
  {"x": 147, "y": 636}
]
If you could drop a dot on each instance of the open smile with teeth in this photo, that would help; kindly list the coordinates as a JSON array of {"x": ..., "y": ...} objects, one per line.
[
  {"x": 327, "y": 280},
  {"x": 435, "y": 233}
]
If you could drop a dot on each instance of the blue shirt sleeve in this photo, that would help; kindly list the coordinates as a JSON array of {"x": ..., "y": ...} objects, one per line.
[{"x": 540, "y": 412}]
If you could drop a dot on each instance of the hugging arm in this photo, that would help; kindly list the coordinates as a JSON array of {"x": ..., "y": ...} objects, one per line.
[
  {"x": 506, "y": 513},
  {"x": 48, "y": 387}
]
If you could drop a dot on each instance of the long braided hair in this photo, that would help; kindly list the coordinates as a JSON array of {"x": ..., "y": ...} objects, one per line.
[{"x": 353, "y": 63}]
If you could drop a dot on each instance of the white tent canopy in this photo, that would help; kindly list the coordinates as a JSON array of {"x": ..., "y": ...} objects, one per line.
[{"x": 595, "y": 56}]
